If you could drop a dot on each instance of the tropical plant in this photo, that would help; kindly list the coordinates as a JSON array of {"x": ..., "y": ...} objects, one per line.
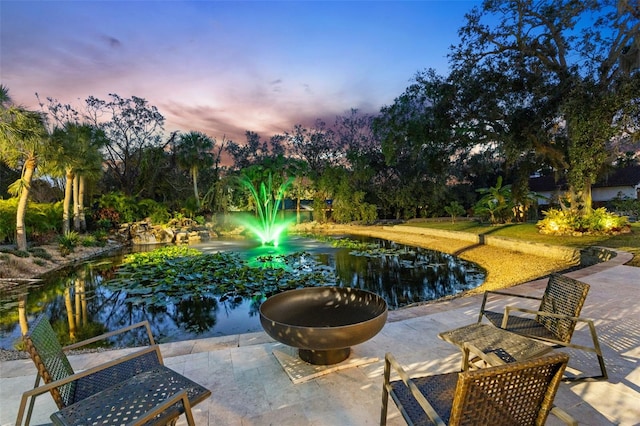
[
  {"x": 496, "y": 204},
  {"x": 22, "y": 142},
  {"x": 194, "y": 154},
  {"x": 67, "y": 242},
  {"x": 454, "y": 209},
  {"x": 570, "y": 222},
  {"x": 75, "y": 154}
]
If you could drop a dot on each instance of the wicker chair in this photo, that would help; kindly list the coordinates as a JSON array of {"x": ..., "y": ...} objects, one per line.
[
  {"x": 519, "y": 393},
  {"x": 554, "y": 321},
  {"x": 68, "y": 388}
]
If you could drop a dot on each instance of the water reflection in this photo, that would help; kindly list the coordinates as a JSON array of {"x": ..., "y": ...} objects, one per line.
[{"x": 80, "y": 306}]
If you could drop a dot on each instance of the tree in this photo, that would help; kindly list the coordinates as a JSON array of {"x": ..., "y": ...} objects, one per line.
[
  {"x": 255, "y": 151},
  {"x": 418, "y": 142},
  {"x": 130, "y": 126},
  {"x": 22, "y": 140},
  {"x": 213, "y": 199},
  {"x": 318, "y": 146},
  {"x": 75, "y": 153},
  {"x": 194, "y": 154},
  {"x": 550, "y": 81},
  {"x": 363, "y": 150}
]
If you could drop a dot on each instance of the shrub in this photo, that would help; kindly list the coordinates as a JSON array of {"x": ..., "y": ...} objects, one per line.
[
  {"x": 40, "y": 253},
  {"x": 8, "y": 219},
  {"x": 100, "y": 235},
  {"x": 68, "y": 242},
  {"x": 354, "y": 209},
  {"x": 16, "y": 253},
  {"x": 454, "y": 209},
  {"x": 125, "y": 208},
  {"x": 155, "y": 211},
  {"x": 625, "y": 206},
  {"x": 41, "y": 220},
  {"x": 566, "y": 222}
]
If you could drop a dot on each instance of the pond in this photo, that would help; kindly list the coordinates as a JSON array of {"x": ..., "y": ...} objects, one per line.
[{"x": 80, "y": 305}]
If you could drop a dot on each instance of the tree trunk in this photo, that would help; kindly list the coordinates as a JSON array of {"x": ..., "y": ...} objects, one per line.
[
  {"x": 194, "y": 173},
  {"x": 83, "y": 220},
  {"x": 76, "y": 205},
  {"x": 587, "y": 198},
  {"x": 66, "y": 204},
  {"x": 21, "y": 235}
]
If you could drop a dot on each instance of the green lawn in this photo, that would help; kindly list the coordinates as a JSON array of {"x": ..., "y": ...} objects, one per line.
[{"x": 629, "y": 242}]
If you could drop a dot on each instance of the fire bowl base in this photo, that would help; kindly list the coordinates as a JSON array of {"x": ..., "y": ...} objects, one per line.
[
  {"x": 316, "y": 357},
  {"x": 300, "y": 371}
]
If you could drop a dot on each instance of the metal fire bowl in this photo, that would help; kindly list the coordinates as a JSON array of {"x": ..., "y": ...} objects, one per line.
[{"x": 323, "y": 322}]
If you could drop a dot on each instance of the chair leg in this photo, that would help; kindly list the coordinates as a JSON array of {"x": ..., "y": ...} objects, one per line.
[
  {"x": 385, "y": 393},
  {"x": 484, "y": 301},
  {"x": 596, "y": 346},
  {"x": 598, "y": 351},
  {"x": 32, "y": 401},
  {"x": 563, "y": 416}
]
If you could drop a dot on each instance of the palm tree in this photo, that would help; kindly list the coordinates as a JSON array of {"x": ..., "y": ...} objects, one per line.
[
  {"x": 90, "y": 169},
  {"x": 22, "y": 140},
  {"x": 63, "y": 159},
  {"x": 194, "y": 154},
  {"x": 76, "y": 154}
]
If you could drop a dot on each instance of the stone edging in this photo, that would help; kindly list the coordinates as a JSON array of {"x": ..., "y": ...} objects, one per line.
[{"x": 586, "y": 257}]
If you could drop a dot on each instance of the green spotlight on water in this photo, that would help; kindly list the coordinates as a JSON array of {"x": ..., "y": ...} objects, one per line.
[{"x": 266, "y": 226}]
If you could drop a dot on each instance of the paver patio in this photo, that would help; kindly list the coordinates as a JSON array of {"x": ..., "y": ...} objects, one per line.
[{"x": 249, "y": 386}]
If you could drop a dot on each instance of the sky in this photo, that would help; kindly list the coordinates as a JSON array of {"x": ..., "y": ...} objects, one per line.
[{"x": 225, "y": 67}]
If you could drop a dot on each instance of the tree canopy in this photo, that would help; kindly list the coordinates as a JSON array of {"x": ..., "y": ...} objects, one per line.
[{"x": 551, "y": 82}]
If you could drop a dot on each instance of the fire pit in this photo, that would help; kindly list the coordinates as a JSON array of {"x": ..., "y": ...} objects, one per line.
[{"x": 323, "y": 322}]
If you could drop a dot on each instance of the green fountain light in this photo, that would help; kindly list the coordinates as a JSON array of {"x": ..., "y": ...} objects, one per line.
[{"x": 266, "y": 225}]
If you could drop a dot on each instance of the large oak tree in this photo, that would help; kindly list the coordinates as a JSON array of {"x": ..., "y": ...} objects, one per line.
[{"x": 551, "y": 82}]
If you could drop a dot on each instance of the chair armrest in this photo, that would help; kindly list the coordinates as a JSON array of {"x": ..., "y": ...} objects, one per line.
[
  {"x": 47, "y": 387},
  {"x": 504, "y": 293},
  {"x": 490, "y": 358},
  {"x": 162, "y": 407},
  {"x": 390, "y": 362},
  {"x": 111, "y": 334}
]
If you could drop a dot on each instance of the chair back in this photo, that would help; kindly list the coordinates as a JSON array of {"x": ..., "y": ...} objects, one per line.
[
  {"x": 519, "y": 393},
  {"x": 564, "y": 296},
  {"x": 46, "y": 352}
]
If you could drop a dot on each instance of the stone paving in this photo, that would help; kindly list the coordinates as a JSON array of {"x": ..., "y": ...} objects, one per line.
[{"x": 249, "y": 386}]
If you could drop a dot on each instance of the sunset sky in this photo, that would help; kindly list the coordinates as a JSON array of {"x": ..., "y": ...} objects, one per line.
[{"x": 224, "y": 67}]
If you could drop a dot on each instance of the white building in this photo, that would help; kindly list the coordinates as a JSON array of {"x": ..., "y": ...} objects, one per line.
[{"x": 622, "y": 182}]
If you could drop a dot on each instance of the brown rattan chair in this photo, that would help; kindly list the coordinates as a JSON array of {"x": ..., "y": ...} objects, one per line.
[
  {"x": 71, "y": 390},
  {"x": 554, "y": 321},
  {"x": 519, "y": 393}
]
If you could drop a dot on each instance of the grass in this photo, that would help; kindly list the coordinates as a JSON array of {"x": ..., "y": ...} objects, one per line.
[{"x": 629, "y": 242}]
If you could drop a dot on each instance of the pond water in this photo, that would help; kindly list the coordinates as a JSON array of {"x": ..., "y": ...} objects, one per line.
[{"x": 80, "y": 306}]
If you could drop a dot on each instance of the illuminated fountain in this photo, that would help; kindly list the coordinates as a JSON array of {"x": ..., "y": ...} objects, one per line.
[{"x": 266, "y": 225}]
